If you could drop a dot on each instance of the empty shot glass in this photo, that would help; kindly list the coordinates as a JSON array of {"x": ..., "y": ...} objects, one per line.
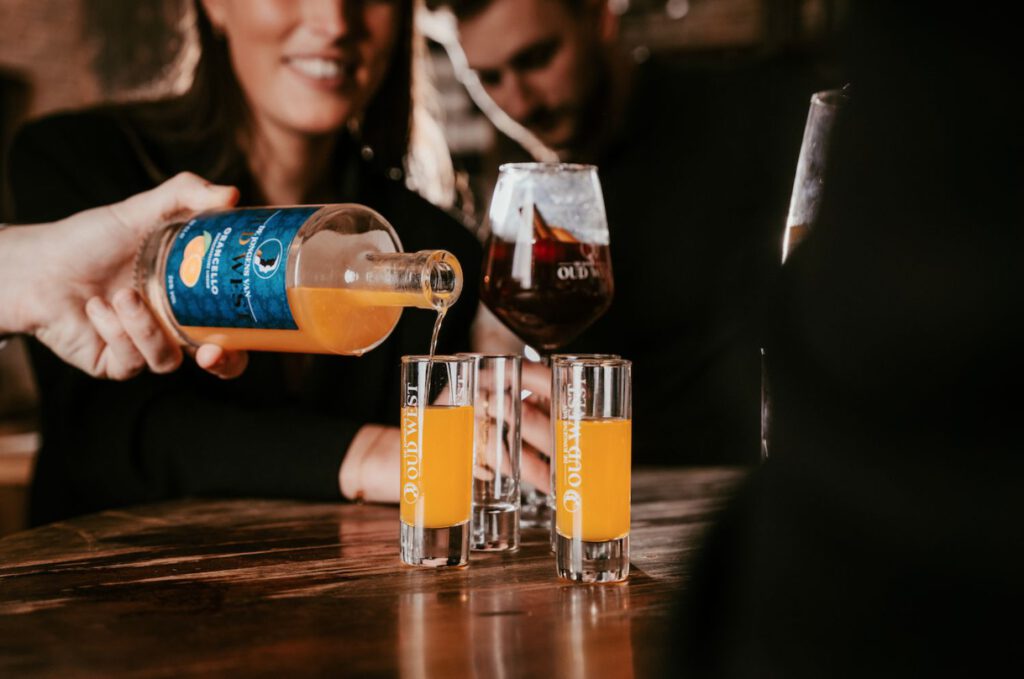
[
  {"x": 497, "y": 405},
  {"x": 437, "y": 460},
  {"x": 593, "y": 409}
]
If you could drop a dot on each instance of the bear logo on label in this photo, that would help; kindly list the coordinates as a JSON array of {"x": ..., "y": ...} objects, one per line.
[{"x": 268, "y": 258}]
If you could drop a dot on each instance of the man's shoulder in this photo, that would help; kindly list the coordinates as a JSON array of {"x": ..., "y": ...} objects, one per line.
[
  {"x": 742, "y": 87},
  {"x": 664, "y": 80},
  {"x": 722, "y": 111}
]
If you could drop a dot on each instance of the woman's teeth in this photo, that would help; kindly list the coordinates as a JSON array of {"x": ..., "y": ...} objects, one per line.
[{"x": 321, "y": 69}]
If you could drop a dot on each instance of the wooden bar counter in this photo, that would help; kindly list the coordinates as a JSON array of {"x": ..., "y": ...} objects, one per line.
[{"x": 256, "y": 587}]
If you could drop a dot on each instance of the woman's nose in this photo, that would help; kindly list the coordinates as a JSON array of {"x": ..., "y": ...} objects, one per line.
[{"x": 333, "y": 18}]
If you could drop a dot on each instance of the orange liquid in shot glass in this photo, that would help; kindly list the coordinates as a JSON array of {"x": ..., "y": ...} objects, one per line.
[
  {"x": 593, "y": 481},
  {"x": 437, "y": 465}
]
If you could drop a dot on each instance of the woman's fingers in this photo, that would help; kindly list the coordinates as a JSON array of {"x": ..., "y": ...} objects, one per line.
[
  {"x": 221, "y": 362},
  {"x": 177, "y": 198},
  {"x": 118, "y": 359},
  {"x": 535, "y": 469},
  {"x": 161, "y": 354},
  {"x": 536, "y": 426},
  {"x": 133, "y": 338}
]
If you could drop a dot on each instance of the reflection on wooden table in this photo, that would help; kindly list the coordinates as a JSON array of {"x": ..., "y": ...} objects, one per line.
[
  {"x": 19, "y": 441},
  {"x": 202, "y": 587}
]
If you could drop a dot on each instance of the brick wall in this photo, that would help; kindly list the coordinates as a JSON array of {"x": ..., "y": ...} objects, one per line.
[
  {"x": 45, "y": 44},
  {"x": 80, "y": 52}
]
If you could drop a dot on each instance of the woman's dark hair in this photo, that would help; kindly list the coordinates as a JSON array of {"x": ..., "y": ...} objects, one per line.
[{"x": 207, "y": 119}]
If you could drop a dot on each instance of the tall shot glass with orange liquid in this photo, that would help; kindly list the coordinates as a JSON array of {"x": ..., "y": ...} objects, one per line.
[
  {"x": 557, "y": 433},
  {"x": 593, "y": 405},
  {"x": 436, "y": 460}
]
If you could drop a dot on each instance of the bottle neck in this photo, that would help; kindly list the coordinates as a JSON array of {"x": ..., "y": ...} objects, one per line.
[{"x": 428, "y": 279}]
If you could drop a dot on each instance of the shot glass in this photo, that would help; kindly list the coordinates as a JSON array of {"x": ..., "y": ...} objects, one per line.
[
  {"x": 593, "y": 405},
  {"x": 497, "y": 447},
  {"x": 556, "y": 433},
  {"x": 437, "y": 460}
]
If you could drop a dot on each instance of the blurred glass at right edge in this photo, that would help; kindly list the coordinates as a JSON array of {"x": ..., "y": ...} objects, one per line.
[
  {"x": 810, "y": 167},
  {"x": 804, "y": 205}
]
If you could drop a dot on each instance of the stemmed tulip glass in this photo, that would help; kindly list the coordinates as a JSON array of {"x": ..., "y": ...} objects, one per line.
[{"x": 547, "y": 271}]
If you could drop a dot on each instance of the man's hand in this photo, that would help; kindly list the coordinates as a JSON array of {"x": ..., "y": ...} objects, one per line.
[
  {"x": 535, "y": 466},
  {"x": 74, "y": 283},
  {"x": 371, "y": 467}
]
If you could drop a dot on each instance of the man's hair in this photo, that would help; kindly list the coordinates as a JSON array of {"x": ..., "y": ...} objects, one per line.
[
  {"x": 460, "y": 8},
  {"x": 464, "y": 9}
]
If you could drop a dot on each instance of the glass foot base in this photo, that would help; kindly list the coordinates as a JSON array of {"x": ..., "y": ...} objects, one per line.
[
  {"x": 582, "y": 561},
  {"x": 495, "y": 529},
  {"x": 435, "y": 547}
]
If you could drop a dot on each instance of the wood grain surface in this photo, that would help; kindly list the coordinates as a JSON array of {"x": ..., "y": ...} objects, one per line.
[{"x": 265, "y": 588}]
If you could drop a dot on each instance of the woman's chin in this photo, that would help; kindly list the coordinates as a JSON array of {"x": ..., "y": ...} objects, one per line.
[{"x": 320, "y": 125}]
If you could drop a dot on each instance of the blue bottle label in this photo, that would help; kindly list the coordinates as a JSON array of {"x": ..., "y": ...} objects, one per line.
[{"x": 227, "y": 270}]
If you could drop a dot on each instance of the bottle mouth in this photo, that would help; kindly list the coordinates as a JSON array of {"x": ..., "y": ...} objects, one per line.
[
  {"x": 831, "y": 98},
  {"x": 443, "y": 282},
  {"x": 443, "y": 278}
]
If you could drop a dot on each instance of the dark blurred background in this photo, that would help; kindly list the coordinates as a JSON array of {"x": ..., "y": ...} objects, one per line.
[{"x": 62, "y": 54}]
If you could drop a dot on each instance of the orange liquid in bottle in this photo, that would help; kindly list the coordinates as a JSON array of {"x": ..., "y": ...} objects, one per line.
[
  {"x": 437, "y": 465},
  {"x": 330, "y": 320},
  {"x": 593, "y": 486}
]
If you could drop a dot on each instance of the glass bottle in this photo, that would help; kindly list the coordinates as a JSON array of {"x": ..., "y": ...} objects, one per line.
[
  {"x": 809, "y": 182},
  {"x": 310, "y": 279}
]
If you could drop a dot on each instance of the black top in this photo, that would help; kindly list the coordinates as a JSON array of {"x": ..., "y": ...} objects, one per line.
[
  {"x": 696, "y": 186},
  {"x": 156, "y": 437}
]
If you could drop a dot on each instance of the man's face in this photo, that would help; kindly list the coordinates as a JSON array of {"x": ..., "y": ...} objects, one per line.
[{"x": 539, "y": 61}]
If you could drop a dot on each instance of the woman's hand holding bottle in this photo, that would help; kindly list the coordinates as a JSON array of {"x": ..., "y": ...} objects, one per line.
[{"x": 70, "y": 284}]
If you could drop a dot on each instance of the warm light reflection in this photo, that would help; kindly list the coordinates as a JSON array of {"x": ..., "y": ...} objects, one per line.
[
  {"x": 434, "y": 634},
  {"x": 572, "y": 632},
  {"x": 597, "y": 636}
]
